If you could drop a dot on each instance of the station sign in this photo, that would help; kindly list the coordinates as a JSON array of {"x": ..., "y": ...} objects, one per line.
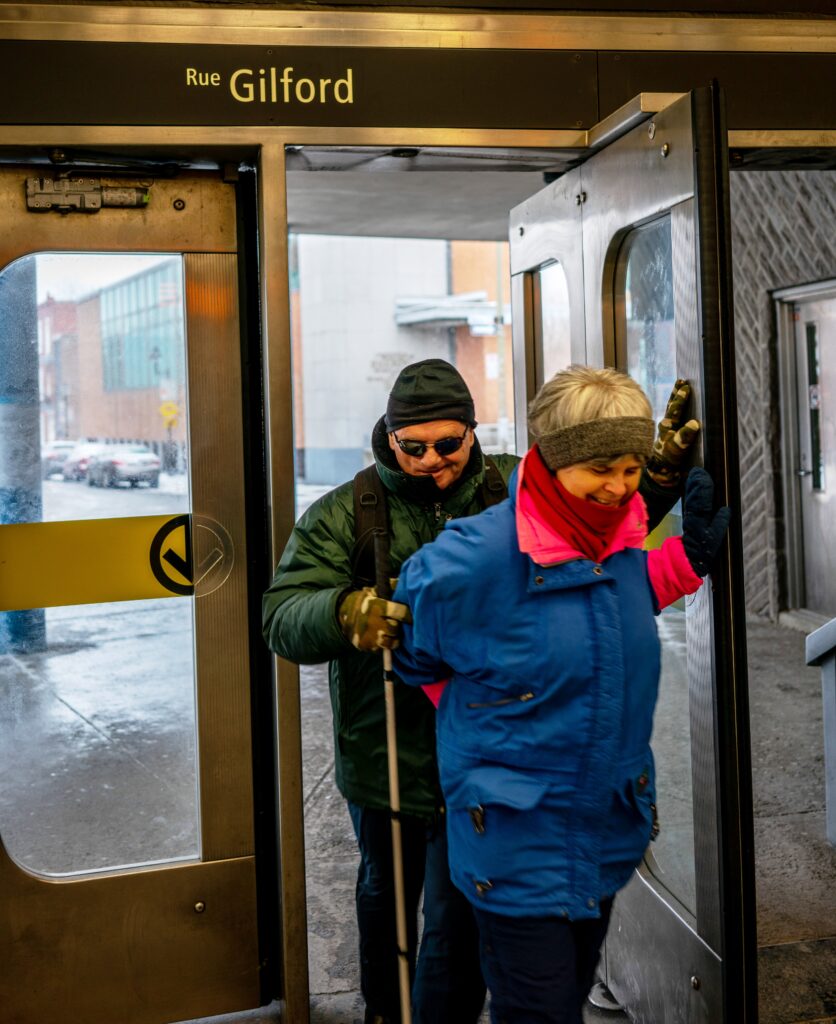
[
  {"x": 174, "y": 84},
  {"x": 429, "y": 87}
]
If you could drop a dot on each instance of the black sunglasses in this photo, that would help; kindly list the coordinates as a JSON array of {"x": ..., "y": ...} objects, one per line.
[{"x": 446, "y": 446}]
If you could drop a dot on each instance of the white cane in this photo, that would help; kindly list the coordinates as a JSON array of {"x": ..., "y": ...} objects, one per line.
[{"x": 384, "y": 590}]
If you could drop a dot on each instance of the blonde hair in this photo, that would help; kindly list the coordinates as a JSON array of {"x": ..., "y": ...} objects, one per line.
[{"x": 579, "y": 394}]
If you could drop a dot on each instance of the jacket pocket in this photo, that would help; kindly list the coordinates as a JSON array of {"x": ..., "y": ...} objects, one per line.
[
  {"x": 501, "y": 702},
  {"x": 495, "y": 799},
  {"x": 495, "y": 786},
  {"x": 506, "y": 842},
  {"x": 633, "y": 815}
]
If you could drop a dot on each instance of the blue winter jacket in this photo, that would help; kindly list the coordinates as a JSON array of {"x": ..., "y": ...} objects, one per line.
[{"x": 543, "y": 732}]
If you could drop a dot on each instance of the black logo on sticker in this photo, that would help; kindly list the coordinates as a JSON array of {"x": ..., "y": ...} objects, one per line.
[
  {"x": 209, "y": 556},
  {"x": 163, "y": 559}
]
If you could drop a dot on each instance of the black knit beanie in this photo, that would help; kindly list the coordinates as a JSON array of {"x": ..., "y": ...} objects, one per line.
[{"x": 427, "y": 391}]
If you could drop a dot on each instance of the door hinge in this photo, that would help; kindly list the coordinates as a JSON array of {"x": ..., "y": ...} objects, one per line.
[{"x": 81, "y": 195}]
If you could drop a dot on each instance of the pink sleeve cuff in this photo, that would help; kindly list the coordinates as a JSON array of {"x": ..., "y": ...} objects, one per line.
[
  {"x": 435, "y": 690},
  {"x": 670, "y": 571}
]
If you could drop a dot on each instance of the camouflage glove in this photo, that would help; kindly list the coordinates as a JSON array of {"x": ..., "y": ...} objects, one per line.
[
  {"x": 674, "y": 440},
  {"x": 703, "y": 529},
  {"x": 370, "y": 622}
]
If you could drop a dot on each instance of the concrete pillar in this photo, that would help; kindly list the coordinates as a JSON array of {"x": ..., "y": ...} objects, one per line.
[{"x": 20, "y": 435}]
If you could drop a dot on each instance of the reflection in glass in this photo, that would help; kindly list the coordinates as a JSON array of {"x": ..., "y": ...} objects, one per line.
[
  {"x": 97, "y": 716},
  {"x": 555, "y": 342},
  {"x": 646, "y": 341},
  {"x": 646, "y": 277},
  {"x": 111, "y": 381}
]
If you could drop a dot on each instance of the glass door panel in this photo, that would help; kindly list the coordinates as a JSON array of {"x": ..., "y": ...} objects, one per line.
[
  {"x": 645, "y": 329},
  {"x": 645, "y": 324},
  {"x": 97, "y": 726},
  {"x": 554, "y": 336},
  {"x": 815, "y": 344}
]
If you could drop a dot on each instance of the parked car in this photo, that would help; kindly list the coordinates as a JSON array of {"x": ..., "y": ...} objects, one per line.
[
  {"x": 129, "y": 463},
  {"x": 75, "y": 464},
  {"x": 53, "y": 454}
]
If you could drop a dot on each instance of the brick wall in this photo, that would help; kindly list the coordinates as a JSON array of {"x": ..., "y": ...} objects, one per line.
[{"x": 783, "y": 234}]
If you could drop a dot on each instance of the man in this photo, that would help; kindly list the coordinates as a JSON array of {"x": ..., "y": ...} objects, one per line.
[{"x": 432, "y": 470}]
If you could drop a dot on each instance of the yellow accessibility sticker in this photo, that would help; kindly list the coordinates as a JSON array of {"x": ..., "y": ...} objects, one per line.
[{"x": 92, "y": 561}]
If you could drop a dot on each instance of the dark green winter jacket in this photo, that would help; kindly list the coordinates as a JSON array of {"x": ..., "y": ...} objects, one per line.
[{"x": 300, "y": 622}]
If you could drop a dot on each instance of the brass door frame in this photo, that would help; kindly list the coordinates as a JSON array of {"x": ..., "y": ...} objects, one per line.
[
  {"x": 134, "y": 928},
  {"x": 484, "y": 30}
]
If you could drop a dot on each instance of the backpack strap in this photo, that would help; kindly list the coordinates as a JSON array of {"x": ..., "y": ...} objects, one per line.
[
  {"x": 493, "y": 486},
  {"x": 371, "y": 518}
]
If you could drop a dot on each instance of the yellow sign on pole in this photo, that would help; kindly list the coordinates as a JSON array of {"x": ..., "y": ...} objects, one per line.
[{"x": 169, "y": 412}]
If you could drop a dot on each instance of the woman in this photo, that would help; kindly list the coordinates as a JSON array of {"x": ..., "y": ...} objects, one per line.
[{"x": 540, "y": 613}]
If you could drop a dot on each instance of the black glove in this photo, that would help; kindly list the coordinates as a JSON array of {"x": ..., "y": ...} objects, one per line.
[{"x": 702, "y": 528}]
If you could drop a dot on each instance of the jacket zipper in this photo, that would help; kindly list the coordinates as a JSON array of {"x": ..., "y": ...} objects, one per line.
[{"x": 523, "y": 697}]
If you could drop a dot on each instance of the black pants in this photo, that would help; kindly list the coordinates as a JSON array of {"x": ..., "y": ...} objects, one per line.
[
  {"x": 447, "y": 984},
  {"x": 539, "y": 970}
]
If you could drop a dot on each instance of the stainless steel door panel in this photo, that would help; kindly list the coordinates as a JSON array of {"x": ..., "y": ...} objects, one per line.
[
  {"x": 544, "y": 228},
  {"x": 686, "y": 993},
  {"x": 668, "y": 955},
  {"x": 635, "y": 178}
]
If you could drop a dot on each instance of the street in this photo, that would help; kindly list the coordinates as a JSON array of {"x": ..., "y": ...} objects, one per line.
[{"x": 65, "y": 499}]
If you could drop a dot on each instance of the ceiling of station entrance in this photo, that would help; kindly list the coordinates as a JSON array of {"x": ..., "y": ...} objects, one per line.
[
  {"x": 411, "y": 192},
  {"x": 406, "y": 192}
]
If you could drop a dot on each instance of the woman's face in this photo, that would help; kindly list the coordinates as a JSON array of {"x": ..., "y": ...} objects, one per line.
[{"x": 603, "y": 482}]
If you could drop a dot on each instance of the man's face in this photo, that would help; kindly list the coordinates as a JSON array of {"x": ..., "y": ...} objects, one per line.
[
  {"x": 610, "y": 483},
  {"x": 444, "y": 469}
]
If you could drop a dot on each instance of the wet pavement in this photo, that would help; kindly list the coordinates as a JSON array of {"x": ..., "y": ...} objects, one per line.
[{"x": 100, "y": 740}]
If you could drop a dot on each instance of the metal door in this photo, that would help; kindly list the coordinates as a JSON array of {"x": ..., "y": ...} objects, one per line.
[
  {"x": 815, "y": 360},
  {"x": 633, "y": 246},
  {"x": 127, "y": 862}
]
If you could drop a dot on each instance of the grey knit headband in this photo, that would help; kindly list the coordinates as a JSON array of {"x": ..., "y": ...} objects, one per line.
[{"x": 597, "y": 439}]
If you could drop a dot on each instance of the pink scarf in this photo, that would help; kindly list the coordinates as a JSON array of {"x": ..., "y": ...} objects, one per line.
[{"x": 589, "y": 528}]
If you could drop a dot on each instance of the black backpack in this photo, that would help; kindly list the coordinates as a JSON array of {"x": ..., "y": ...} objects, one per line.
[{"x": 371, "y": 521}]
